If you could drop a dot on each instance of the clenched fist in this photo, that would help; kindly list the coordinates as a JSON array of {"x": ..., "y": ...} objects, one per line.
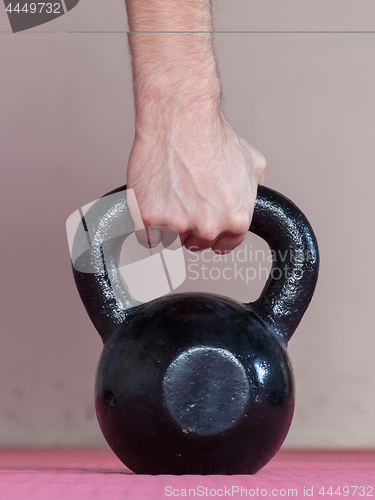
[{"x": 196, "y": 175}]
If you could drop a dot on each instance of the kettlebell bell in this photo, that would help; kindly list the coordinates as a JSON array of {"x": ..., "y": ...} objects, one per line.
[{"x": 195, "y": 383}]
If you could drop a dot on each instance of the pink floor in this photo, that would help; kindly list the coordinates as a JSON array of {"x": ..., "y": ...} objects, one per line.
[{"x": 49, "y": 474}]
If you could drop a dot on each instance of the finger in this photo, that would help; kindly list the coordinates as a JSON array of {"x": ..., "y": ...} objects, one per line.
[
  {"x": 226, "y": 244},
  {"x": 262, "y": 178},
  {"x": 170, "y": 238},
  {"x": 260, "y": 166},
  {"x": 152, "y": 236},
  {"x": 195, "y": 244},
  {"x": 148, "y": 237},
  {"x": 134, "y": 210}
]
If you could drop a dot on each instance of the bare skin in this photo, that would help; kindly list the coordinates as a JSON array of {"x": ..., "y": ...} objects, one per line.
[{"x": 189, "y": 169}]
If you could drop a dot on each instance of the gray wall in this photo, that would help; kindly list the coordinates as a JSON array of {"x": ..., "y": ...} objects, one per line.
[{"x": 66, "y": 128}]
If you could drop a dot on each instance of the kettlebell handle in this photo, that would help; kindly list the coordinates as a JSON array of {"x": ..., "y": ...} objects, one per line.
[
  {"x": 295, "y": 260},
  {"x": 285, "y": 296}
]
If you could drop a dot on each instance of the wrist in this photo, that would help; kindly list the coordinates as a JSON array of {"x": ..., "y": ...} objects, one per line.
[
  {"x": 179, "y": 113},
  {"x": 169, "y": 96},
  {"x": 178, "y": 134}
]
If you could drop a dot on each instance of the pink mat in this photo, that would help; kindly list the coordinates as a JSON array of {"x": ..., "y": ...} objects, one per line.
[{"x": 54, "y": 474}]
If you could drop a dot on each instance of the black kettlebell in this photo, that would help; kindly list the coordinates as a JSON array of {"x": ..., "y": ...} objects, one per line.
[{"x": 195, "y": 383}]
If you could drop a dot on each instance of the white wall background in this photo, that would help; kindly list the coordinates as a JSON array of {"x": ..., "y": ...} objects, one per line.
[{"x": 306, "y": 100}]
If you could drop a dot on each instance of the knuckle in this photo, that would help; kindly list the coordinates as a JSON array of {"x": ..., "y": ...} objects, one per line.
[
  {"x": 261, "y": 164},
  {"x": 177, "y": 220},
  {"x": 154, "y": 218},
  {"x": 179, "y": 224},
  {"x": 180, "y": 227},
  {"x": 206, "y": 231},
  {"x": 148, "y": 215},
  {"x": 232, "y": 226},
  {"x": 239, "y": 223},
  {"x": 150, "y": 219},
  {"x": 151, "y": 216},
  {"x": 226, "y": 244}
]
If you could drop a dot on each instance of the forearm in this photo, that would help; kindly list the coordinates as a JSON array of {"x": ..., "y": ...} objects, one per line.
[{"x": 173, "y": 72}]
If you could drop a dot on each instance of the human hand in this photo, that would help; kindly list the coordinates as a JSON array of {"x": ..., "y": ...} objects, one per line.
[
  {"x": 188, "y": 168},
  {"x": 192, "y": 172}
]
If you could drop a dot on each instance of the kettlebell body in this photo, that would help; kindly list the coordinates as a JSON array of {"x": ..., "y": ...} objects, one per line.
[{"x": 196, "y": 383}]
